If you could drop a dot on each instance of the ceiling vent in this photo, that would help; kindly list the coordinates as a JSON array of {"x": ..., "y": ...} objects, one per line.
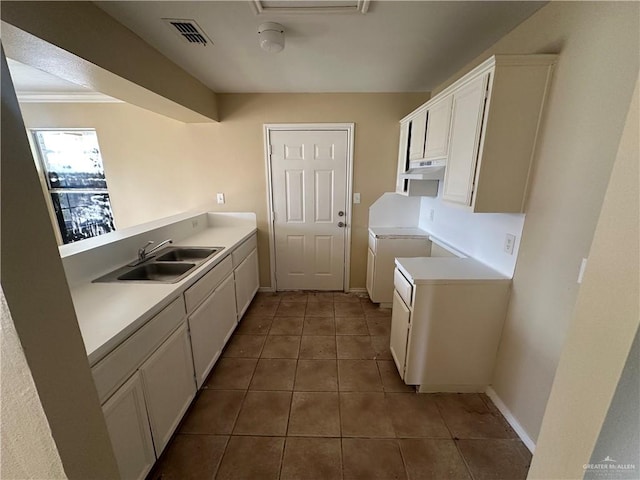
[
  {"x": 262, "y": 7},
  {"x": 188, "y": 30}
]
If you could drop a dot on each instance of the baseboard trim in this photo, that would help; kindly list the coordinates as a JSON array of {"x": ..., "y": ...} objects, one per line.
[
  {"x": 497, "y": 401},
  {"x": 266, "y": 289},
  {"x": 357, "y": 290}
]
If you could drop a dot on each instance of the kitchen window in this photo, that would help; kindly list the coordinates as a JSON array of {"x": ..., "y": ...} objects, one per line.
[{"x": 75, "y": 182}]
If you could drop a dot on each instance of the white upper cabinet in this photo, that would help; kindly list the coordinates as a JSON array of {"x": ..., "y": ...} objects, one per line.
[
  {"x": 417, "y": 130},
  {"x": 468, "y": 106},
  {"x": 484, "y": 127},
  {"x": 438, "y": 123},
  {"x": 406, "y": 186},
  {"x": 492, "y": 143}
]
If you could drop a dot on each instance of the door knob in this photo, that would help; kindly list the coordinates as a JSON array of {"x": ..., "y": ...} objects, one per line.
[
  {"x": 341, "y": 224},
  {"x": 341, "y": 213}
]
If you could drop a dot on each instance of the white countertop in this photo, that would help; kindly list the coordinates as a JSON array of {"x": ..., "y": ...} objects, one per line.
[
  {"x": 398, "y": 232},
  {"x": 430, "y": 270},
  {"x": 108, "y": 313}
]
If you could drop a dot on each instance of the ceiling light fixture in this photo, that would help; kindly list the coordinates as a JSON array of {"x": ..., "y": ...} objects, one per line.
[{"x": 271, "y": 37}]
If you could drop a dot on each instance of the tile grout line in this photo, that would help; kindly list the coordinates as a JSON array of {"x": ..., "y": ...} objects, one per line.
[
  {"x": 224, "y": 451},
  {"x": 454, "y": 439}
]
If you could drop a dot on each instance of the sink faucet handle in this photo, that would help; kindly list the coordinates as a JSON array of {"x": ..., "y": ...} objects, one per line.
[{"x": 142, "y": 251}]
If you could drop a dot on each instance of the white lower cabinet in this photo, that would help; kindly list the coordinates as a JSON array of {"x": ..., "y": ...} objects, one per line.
[
  {"x": 126, "y": 416},
  {"x": 211, "y": 325},
  {"x": 169, "y": 386},
  {"x": 147, "y": 383},
  {"x": 381, "y": 263},
  {"x": 247, "y": 281},
  {"x": 445, "y": 333}
]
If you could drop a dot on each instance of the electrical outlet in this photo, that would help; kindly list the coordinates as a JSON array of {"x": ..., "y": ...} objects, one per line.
[
  {"x": 220, "y": 198},
  {"x": 509, "y": 243},
  {"x": 356, "y": 198},
  {"x": 432, "y": 214}
]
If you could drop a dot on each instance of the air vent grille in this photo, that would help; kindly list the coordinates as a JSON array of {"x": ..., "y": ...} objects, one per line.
[{"x": 188, "y": 30}]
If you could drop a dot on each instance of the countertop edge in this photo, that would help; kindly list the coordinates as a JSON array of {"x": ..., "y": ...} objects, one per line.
[{"x": 474, "y": 265}]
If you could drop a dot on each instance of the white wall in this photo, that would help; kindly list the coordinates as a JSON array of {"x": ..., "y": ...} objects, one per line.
[{"x": 478, "y": 235}]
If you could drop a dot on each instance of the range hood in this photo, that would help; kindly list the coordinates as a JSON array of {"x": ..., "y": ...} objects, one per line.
[{"x": 425, "y": 170}]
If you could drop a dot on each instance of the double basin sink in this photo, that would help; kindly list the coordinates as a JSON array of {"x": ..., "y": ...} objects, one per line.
[{"x": 170, "y": 265}]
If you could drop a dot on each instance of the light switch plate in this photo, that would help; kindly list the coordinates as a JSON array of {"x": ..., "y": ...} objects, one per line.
[
  {"x": 220, "y": 198},
  {"x": 509, "y": 243},
  {"x": 356, "y": 198}
]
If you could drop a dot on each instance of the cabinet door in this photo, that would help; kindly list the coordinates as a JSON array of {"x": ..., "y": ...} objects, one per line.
[
  {"x": 371, "y": 265},
  {"x": 403, "y": 158},
  {"x": 169, "y": 386},
  {"x": 400, "y": 317},
  {"x": 438, "y": 128},
  {"x": 210, "y": 326},
  {"x": 417, "y": 136},
  {"x": 126, "y": 417},
  {"x": 247, "y": 281},
  {"x": 466, "y": 125}
]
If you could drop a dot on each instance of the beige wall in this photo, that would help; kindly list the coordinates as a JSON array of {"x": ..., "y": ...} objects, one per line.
[
  {"x": 590, "y": 94},
  {"x": 36, "y": 292},
  {"x": 603, "y": 327},
  {"x": 156, "y": 166},
  {"x": 28, "y": 449}
]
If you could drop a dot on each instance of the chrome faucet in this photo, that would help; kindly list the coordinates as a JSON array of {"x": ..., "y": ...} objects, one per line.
[{"x": 143, "y": 253}]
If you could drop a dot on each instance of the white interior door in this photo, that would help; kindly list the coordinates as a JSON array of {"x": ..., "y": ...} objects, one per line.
[{"x": 309, "y": 190}]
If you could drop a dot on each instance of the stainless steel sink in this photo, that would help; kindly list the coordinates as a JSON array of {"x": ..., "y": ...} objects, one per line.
[
  {"x": 158, "y": 272},
  {"x": 187, "y": 254},
  {"x": 170, "y": 265}
]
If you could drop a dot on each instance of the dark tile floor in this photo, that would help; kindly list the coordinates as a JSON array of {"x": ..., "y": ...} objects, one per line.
[{"x": 306, "y": 389}]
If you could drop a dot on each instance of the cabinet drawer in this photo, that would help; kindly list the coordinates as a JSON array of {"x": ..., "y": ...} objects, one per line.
[
  {"x": 115, "y": 368},
  {"x": 402, "y": 286},
  {"x": 372, "y": 243},
  {"x": 243, "y": 251},
  {"x": 203, "y": 287}
]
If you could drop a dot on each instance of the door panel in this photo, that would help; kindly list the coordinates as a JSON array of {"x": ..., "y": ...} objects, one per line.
[
  {"x": 210, "y": 325},
  {"x": 324, "y": 183},
  {"x": 437, "y": 141},
  {"x": 247, "y": 282},
  {"x": 294, "y": 195},
  {"x": 309, "y": 183},
  {"x": 126, "y": 416},
  {"x": 169, "y": 385},
  {"x": 466, "y": 123},
  {"x": 400, "y": 317}
]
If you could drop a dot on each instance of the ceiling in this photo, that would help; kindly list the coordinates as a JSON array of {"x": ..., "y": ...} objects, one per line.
[{"x": 394, "y": 47}]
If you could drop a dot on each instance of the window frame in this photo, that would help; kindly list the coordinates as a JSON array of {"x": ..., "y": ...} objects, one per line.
[{"x": 45, "y": 183}]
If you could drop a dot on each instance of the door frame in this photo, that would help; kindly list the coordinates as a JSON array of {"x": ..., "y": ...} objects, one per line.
[{"x": 349, "y": 128}]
